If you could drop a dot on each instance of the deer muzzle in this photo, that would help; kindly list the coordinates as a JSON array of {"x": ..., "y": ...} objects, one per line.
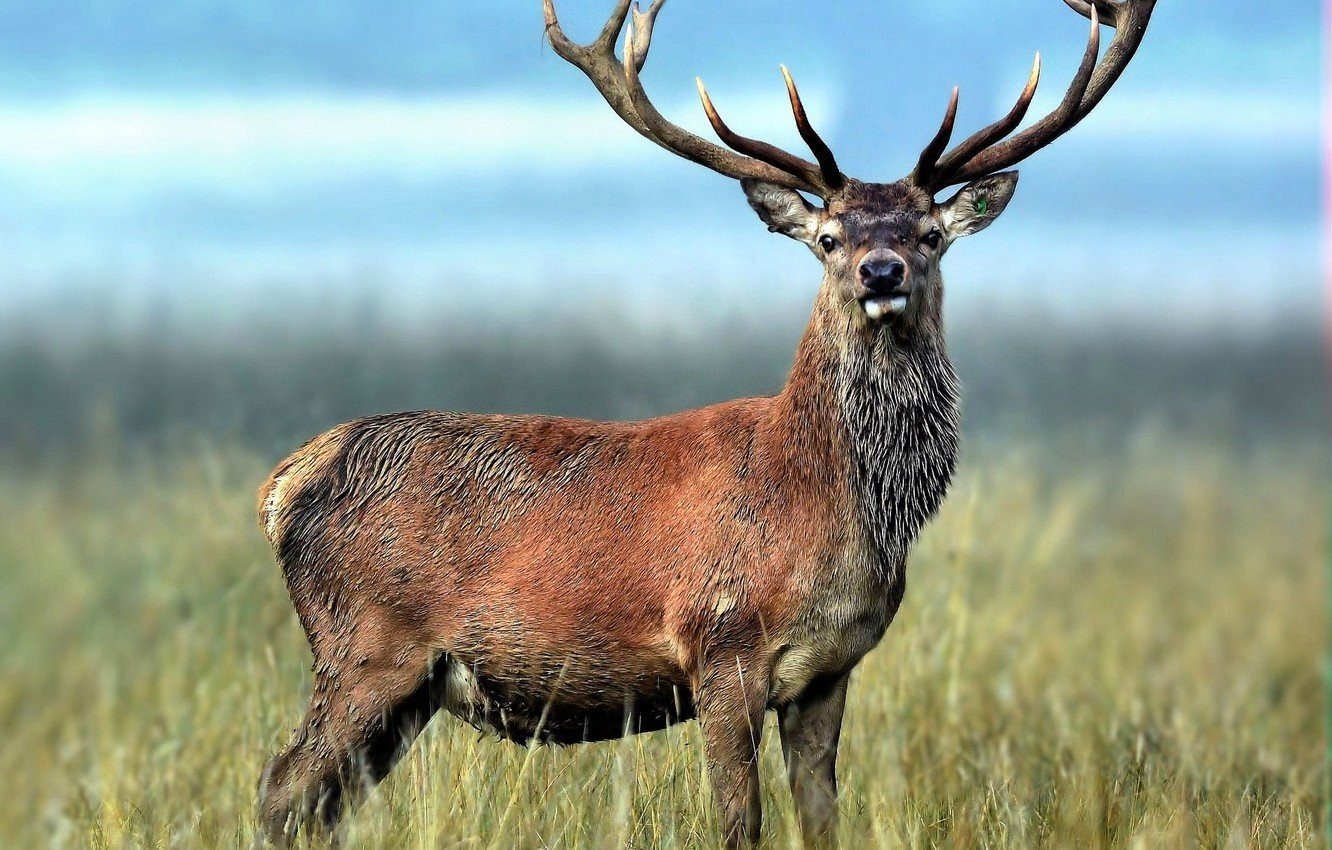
[{"x": 885, "y": 283}]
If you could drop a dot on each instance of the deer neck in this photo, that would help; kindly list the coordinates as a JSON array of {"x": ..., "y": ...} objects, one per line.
[{"x": 879, "y": 405}]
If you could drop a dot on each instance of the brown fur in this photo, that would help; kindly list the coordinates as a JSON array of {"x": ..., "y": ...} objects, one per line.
[{"x": 565, "y": 580}]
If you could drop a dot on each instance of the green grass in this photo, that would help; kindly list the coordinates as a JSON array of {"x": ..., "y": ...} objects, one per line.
[{"x": 1119, "y": 654}]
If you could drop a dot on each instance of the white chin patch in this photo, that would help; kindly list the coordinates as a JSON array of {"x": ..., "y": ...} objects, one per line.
[{"x": 883, "y": 307}]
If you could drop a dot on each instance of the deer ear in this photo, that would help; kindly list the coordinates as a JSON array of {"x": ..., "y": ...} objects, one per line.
[
  {"x": 783, "y": 210},
  {"x": 977, "y": 204}
]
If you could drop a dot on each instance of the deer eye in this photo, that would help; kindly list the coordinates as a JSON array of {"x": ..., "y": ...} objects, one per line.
[
  {"x": 827, "y": 243},
  {"x": 932, "y": 239}
]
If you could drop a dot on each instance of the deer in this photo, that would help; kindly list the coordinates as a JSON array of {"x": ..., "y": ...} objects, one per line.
[{"x": 561, "y": 581}]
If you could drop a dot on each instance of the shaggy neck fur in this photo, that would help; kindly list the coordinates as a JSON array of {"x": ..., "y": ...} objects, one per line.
[{"x": 882, "y": 403}]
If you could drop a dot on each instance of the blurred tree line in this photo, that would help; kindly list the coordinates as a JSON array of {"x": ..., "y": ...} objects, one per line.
[{"x": 69, "y": 387}]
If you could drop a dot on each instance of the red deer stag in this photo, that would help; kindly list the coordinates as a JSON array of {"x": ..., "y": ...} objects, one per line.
[{"x": 565, "y": 581}]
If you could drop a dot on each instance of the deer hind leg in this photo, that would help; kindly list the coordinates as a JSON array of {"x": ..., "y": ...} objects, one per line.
[
  {"x": 364, "y": 714},
  {"x": 810, "y": 728},
  {"x": 730, "y": 699}
]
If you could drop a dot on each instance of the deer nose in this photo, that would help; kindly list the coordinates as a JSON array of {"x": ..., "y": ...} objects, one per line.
[{"x": 882, "y": 272}]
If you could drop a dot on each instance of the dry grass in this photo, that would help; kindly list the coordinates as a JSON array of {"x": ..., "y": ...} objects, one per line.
[{"x": 1124, "y": 655}]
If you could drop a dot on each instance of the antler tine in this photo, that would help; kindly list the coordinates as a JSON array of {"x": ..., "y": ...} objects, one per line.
[
  {"x": 760, "y": 150},
  {"x": 597, "y": 60},
  {"x": 1129, "y": 18},
  {"x": 832, "y": 175},
  {"x": 982, "y": 139},
  {"x": 759, "y": 160},
  {"x": 619, "y": 84},
  {"x": 1107, "y": 8},
  {"x": 1049, "y": 128},
  {"x": 925, "y": 166},
  {"x": 641, "y": 28},
  {"x": 610, "y": 33}
]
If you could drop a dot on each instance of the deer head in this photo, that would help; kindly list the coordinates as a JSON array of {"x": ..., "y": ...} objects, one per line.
[{"x": 880, "y": 243}]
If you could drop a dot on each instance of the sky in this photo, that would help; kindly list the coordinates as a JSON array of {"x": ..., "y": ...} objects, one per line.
[{"x": 216, "y": 153}]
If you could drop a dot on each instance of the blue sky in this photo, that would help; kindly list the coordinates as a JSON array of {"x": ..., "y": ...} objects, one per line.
[{"x": 213, "y": 152}]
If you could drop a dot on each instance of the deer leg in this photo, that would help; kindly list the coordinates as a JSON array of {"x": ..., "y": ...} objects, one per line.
[
  {"x": 359, "y": 723},
  {"x": 810, "y": 727},
  {"x": 730, "y": 702}
]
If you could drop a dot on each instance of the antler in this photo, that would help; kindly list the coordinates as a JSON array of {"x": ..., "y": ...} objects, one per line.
[
  {"x": 984, "y": 152},
  {"x": 619, "y": 84}
]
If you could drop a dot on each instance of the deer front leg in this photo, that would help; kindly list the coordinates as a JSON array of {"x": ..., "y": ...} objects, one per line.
[
  {"x": 730, "y": 701},
  {"x": 810, "y": 728}
]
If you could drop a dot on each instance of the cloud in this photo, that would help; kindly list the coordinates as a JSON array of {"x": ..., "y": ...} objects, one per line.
[
  {"x": 1215, "y": 119},
  {"x": 238, "y": 145},
  {"x": 1199, "y": 92}
]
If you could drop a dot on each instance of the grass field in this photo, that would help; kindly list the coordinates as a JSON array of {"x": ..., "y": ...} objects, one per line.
[{"x": 1124, "y": 653}]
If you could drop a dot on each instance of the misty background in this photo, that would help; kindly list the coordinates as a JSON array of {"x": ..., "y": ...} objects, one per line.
[{"x": 248, "y": 221}]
